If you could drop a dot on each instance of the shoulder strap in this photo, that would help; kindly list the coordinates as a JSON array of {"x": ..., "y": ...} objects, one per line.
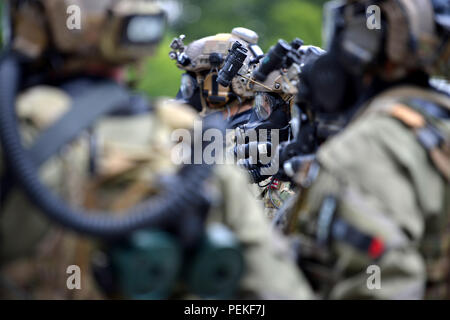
[
  {"x": 401, "y": 93},
  {"x": 98, "y": 100},
  {"x": 436, "y": 144},
  {"x": 395, "y": 102}
]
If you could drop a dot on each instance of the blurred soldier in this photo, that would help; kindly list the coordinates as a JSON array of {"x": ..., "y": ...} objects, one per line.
[
  {"x": 59, "y": 66},
  {"x": 99, "y": 147},
  {"x": 372, "y": 218},
  {"x": 202, "y": 59}
]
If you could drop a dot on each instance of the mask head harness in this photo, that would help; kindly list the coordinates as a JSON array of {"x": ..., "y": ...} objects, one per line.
[{"x": 275, "y": 83}]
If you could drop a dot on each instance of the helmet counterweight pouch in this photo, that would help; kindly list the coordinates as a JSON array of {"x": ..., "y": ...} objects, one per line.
[
  {"x": 217, "y": 266},
  {"x": 150, "y": 264},
  {"x": 147, "y": 265},
  {"x": 214, "y": 93}
]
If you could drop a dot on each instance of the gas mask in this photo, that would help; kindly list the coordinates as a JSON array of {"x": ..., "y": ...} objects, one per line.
[
  {"x": 190, "y": 92},
  {"x": 257, "y": 141},
  {"x": 333, "y": 82},
  {"x": 326, "y": 75},
  {"x": 269, "y": 112},
  {"x": 404, "y": 39}
]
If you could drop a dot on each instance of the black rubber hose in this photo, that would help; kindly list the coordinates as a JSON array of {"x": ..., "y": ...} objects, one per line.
[{"x": 158, "y": 212}]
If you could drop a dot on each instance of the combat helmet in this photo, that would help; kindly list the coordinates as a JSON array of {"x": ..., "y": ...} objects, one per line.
[
  {"x": 202, "y": 60},
  {"x": 106, "y": 31},
  {"x": 408, "y": 34}
]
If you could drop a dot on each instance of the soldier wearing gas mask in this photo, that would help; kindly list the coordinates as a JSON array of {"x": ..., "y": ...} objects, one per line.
[
  {"x": 372, "y": 216},
  {"x": 202, "y": 60},
  {"x": 81, "y": 153},
  {"x": 267, "y": 126},
  {"x": 274, "y": 81}
]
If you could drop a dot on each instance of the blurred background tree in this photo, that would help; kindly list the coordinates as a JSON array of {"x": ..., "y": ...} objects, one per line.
[{"x": 271, "y": 19}]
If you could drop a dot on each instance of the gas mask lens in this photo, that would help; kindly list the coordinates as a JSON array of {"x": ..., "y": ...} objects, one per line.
[
  {"x": 295, "y": 120},
  {"x": 264, "y": 104},
  {"x": 188, "y": 86},
  {"x": 143, "y": 29}
]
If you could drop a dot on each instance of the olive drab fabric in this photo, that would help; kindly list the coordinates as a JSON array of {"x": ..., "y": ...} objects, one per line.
[
  {"x": 34, "y": 253},
  {"x": 270, "y": 272},
  {"x": 379, "y": 200},
  {"x": 131, "y": 152}
]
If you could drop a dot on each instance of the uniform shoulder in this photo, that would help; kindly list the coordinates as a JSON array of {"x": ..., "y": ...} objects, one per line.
[
  {"x": 386, "y": 126},
  {"x": 175, "y": 114},
  {"x": 379, "y": 152},
  {"x": 42, "y": 105},
  {"x": 363, "y": 141}
]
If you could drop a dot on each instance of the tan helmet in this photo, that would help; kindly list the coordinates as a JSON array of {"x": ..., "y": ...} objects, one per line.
[
  {"x": 112, "y": 31},
  {"x": 205, "y": 57},
  {"x": 284, "y": 82},
  {"x": 410, "y": 22},
  {"x": 408, "y": 39},
  {"x": 281, "y": 85}
]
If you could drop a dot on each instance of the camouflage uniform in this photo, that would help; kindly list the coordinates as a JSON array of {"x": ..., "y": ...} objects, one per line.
[
  {"x": 380, "y": 198},
  {"x": 272, "y": 194}
]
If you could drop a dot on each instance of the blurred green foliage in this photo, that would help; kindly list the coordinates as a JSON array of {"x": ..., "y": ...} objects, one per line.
[
  {"x": 158, "y": 76},
  {"x": 271, "y": 19}
]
